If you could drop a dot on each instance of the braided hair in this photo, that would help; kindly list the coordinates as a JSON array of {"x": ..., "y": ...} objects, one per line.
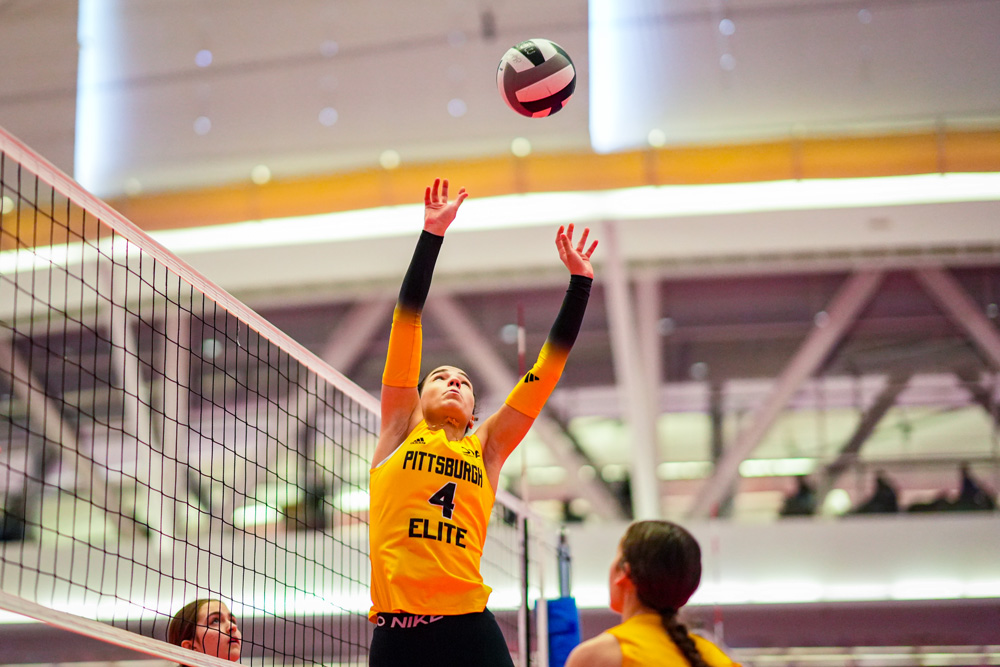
[{"x": 664, "y": 564}]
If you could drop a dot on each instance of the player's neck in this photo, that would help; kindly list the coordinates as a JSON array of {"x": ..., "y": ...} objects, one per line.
[
  {"x": 452, "y": 429},
  {"x": 631, "y": 606}
]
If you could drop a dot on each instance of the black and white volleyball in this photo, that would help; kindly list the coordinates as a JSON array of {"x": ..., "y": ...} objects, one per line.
[{"x": 536, "y": 78}]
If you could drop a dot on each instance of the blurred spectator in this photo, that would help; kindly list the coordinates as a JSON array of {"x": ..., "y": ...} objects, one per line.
[
  {"x": 971, "y": 495},
  {"x": 569, "y": 514},
  {"x": 623, "y": 491},
  {"x": 13, "y": 527},
  {"x": 802, "y": 502},
  {"x": 883, "y": 500},
  {"x": 941, "y": 503}
]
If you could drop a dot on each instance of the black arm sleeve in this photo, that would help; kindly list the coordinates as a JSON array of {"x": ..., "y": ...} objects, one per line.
[
  {"x": 567, "y": 325},
  {"x": 417, "y": 282}
]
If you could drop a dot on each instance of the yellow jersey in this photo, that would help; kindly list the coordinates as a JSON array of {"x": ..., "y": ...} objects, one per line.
[
  {"x": 430, "y": 506},
  {"x": 645, "y": 643}
]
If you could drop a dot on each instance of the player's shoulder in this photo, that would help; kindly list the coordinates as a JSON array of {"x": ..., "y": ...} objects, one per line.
[
  {"x": 601, "y": 651},
  {"x": 391, "y": 441},
  {"x": 711, "y": 653},
  {"x": 472, "y": 439}
]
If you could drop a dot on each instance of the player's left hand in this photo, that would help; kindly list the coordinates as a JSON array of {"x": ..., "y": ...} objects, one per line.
[
  {"x": 575, "y": 257},
  {"x": 439, "y": 213}
]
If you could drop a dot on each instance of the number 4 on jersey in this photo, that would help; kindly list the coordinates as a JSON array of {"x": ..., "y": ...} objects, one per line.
[{"x": 445, "y": 499}]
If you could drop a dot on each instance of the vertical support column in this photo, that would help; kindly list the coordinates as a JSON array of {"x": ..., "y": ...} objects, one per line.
[
  {"x": 716, "y": 416},
  {"x": 151, "y": 506},
  {"x": 633, "y": 387},
  {"x": 647, "y": 316},
  {"x": 524, "y": 616},
  {"x": 172, "y": 394}
]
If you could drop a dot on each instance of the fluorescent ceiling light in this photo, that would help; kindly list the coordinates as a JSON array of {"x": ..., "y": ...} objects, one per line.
[
  {"x": 97, "y": 117},
  {"x": 608, "y": 41},
  {"x": 272, "y": 600},
  {"x": 531, "y": 210},
  {"x": 777, "y": 467},
  {"x": 255, "y": 514},
  {"x": 650, "y": 202},
  {"x": 729, "y": 592},
  {"x": 284, "y": 600}
]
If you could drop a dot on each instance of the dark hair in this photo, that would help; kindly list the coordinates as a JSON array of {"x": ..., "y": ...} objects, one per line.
[
  {"x": 664, "y": 564},
  {"x": 475, "y": 401},
  {"x": 184, "y": 624}
]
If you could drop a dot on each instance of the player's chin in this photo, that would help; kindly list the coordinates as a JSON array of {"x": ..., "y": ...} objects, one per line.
[{"x": 451, "y": 397}]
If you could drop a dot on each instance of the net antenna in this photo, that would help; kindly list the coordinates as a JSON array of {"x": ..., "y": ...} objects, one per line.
[{"x": 161, "y": 442}]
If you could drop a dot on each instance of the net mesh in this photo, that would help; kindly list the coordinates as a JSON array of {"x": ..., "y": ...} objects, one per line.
[{"x": 159, "y": 442}]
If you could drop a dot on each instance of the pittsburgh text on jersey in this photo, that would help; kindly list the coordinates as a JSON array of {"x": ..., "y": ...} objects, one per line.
[{"x": 443, "y": 465}]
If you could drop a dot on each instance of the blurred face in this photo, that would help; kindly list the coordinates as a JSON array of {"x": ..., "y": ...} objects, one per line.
[
  {"x": 217, "y": 633},
  {"x": 447, "y": 392},
  {"x": 617, "y": 580}
]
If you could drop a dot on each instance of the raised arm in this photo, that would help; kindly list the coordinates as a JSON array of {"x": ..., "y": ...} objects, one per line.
[
  {"x": 400, "y": 400},
  {"x": 504, "y": 430}
]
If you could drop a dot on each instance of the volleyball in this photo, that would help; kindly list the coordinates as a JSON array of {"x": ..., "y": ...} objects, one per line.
[{"x": 536, "y": 78}]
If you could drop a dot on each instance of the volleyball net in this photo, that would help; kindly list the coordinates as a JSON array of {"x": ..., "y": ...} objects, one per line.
[{"x": 160, "y": 443}]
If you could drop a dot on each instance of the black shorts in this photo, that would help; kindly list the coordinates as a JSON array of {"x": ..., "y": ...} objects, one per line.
[{"x": 415, "y": 640}]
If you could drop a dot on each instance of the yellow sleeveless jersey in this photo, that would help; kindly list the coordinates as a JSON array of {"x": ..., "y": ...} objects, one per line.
[
  {"x": 430, "y": 505},
  {"x": 645, "y": 642}
]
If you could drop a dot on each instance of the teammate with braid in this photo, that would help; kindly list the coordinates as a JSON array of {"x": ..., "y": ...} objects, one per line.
[
  {"x": 433, "y": 481},
  {"x": 656, "y": 570}
]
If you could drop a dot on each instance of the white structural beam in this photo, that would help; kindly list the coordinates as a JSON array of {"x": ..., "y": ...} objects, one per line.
[
  {"x": 174, "y": 361},
  {"x": 47, "y": 420},
  {"x": 647, "y": 315},
  {"x": 650, "y": 342},
  {"x": 959, "y": 306},
  {"x": 352, "y": 335},
  {"x": 466, "y": 336},
  {"x": 171, "y": 392},
  {"x": 343, "y": 347},
  {"x": 632, "y": 378},
  {"x": 984, "y": 396},
  {"x": 828, "y": 331},
  {"x": 151, "y": 504},
  {"x": 894, "y": 386}
]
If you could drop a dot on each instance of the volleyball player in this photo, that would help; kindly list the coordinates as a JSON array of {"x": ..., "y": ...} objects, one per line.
[
  {"x": 655, "y": 571},
  {"x": 433, "y": 482},
  {"x": 206, "y": 626}
]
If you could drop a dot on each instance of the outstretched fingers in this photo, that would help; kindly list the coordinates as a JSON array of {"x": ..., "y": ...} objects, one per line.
[
  {"x": 562, "y": 242},
  {"x": 437, "y": 194}
]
